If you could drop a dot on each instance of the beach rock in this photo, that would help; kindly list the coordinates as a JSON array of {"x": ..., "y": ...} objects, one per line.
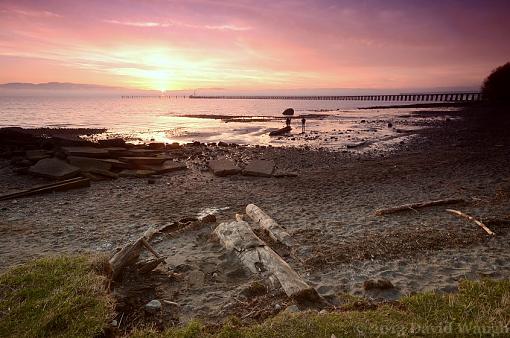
[
  {"x": 112, "y": 142},
  {"x": 261, "y": 168},
  {"x": 222, "y": 144},
  {"x": 166, "y": 167},
  {"x": 380, "y": 284},
  {"x": 156, "y": 146},
  {"x": 288, "y": 111},
  {"x": 116, "y": 164},
  {"x": 291, "y": 309},
  {"x": 153, "y": 306},
  {"x": 280, "y": 131},
  {"x": 356, "y": 144},
  {"x": 143, "y": 160},
  {"x": 88, "y": 163},
  {"x": 173, "y": 145},
  {"x": 86, "y": 152},
  {"x": 37, "y": 155},
  {"x": 136, "y": 173},
  {"x": 223, "y": 167},
  {"x": 54, "y": 168}
]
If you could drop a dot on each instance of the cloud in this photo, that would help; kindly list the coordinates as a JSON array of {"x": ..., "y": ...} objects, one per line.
[
  {"x": 30, "y": 13},
  {"x": 153, "y": 24}
]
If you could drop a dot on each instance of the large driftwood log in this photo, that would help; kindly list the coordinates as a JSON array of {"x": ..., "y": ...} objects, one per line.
[
  {"x": 130, "y": 253},
  {"x": 238, "y": 237},
  {"x": 77, "y": 182},
  {"x": 275, "y": 231},
  {"x": 471, "y": 218},
  {"x": 414, "y": 206}
]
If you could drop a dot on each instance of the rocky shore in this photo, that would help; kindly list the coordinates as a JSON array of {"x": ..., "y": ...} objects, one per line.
[{"x": 325, "y": 199}]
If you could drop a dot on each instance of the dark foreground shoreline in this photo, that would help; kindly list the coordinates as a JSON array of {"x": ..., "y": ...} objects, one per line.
[{"x": 328, "y": 209}]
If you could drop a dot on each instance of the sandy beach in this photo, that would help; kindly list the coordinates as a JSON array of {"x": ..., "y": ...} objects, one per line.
[{"x": 328, "y": 209}]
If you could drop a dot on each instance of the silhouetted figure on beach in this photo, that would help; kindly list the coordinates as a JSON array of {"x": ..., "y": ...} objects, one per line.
[
  {"x": 303, "y": 121},
  {"x": 287, "y": 121}
]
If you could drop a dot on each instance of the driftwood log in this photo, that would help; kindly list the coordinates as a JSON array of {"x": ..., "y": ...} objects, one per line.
[
  {"x": 414, "y": 206},
  {"x": 275, "y": 231},
  {"x": 130, "y": 253},
  {"x": 471, "y": 218},
  {"x": 73, "y": 183},
  {"x": 237, "y": 236}
]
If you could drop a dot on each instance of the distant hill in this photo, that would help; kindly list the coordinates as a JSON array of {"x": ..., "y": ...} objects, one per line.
[{"x": 75, "y": 89}]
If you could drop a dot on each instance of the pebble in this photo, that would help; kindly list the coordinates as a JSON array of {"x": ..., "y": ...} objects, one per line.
[
  {"x": 153, "y": 306},
  {"x": 292, "y": 309}
]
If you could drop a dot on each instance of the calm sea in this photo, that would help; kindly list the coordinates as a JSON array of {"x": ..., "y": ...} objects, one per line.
[{"x": 170, "y": 119}]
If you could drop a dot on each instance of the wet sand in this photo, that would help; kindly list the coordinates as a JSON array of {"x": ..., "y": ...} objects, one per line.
[{"x": 328, "y": 209}]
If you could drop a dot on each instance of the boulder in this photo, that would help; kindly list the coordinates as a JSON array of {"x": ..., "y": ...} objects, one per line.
[
  {"x": 89, "y": 163},
  {"x": 54, "y": 168},
  {"x": 166, "y": 167},
  {"x": 86, "y": 152},
  {"x": 261, "y": 168},
  {"x": 223, "y": 167},
  {"x": 136, "y": 173}
]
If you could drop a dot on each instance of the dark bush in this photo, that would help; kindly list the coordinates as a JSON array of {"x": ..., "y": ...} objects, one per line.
[{"x": 497, "y": 85}]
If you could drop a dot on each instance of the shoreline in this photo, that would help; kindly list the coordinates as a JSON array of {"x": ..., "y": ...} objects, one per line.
[{"x": 328, "y": 209}]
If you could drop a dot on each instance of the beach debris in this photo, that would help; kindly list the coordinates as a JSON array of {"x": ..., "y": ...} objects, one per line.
[
  {"x": 280, "y": 131},
  {"x": 471, "y": 218},
  {"x": 275, "y": 231},
  {"x": 54, "y": 168},
  {"x": 261, "y": 168},
  {"x": 74, "y": 183},
  {"x": 288, "y": 112},
  {"x": 130, "y": 253},
  {"x": 149, "y": 264},
  {"x": 223, "y": 167},
  {"x": 379, "y": 284},
  {"x": 166, "y": 167},
  {"x": 86, "y": 152},
  {"x": 414, "y": 206},
  {"x": 237, "y": 237},
  {"x": 153, "y": 306},
  {"x": 140, "y": 173}
]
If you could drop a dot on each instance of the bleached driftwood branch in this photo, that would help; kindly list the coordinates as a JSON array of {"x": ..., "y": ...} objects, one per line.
[
  {"x": 471, "y": 218},
  {"x": 237, "y": 236},
  {"x": 275, "y": 231},
  {"x": 414, "y": 206}
]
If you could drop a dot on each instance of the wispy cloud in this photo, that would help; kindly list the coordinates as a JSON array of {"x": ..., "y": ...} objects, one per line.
[
  {"x": 30, "y": 13},
  {"x": 154, "y": 24}
]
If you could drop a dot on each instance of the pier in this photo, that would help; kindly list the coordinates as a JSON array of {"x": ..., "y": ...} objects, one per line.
[{"x": 424, "y": 97}]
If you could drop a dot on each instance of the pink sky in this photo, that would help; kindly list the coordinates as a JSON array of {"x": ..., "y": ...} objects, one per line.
[{"x": 158, "y": 44}]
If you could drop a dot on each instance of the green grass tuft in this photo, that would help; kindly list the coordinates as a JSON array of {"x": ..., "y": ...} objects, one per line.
[{"x": 57, "y": 297}]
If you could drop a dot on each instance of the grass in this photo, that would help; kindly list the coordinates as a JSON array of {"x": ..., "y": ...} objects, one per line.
[
  {"x": 65, "y": 297},
  {"x": 480, "y": 308},
  {"x": 54, "y": 297}
]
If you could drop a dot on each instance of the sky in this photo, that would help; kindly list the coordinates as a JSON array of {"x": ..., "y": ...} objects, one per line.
[{"x": 239, "y": 44}]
